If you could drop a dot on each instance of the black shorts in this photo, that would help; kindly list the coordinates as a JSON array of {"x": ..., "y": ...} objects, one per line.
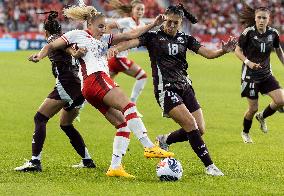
[
  {"x": 171, "y": 98},
  {"x": 68, "y": 89},
  {"x": 251, "y": 89}
]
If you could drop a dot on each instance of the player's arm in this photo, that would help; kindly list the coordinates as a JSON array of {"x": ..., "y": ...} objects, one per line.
[
  {"x": 59, "y": 43},
  {"x": 239, "y": 53},
  {"x": 76, "y": 53},
  {"x": 138, "y": 31},
  {"x": 122, "y": 46},
  {"x": 226, "y": 48},
  {"x": 280, "y": 54}
]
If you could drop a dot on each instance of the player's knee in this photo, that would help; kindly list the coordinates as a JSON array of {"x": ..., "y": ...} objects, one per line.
[
  {"x": 201, "y": 129},
  {"x": 40, "y": 118}
]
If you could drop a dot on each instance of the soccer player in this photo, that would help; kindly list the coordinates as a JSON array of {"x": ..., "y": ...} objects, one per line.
[
  {"x": 120, "y": 63},
  {"x": 66, "y": 97},
  {"x": 99, "y": 89},
  {"x": 173, "y": 90},
  {"x": 254, "y": 47}
]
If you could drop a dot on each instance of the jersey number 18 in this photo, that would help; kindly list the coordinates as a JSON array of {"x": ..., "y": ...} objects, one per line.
[{"x": 173, "y": 49}]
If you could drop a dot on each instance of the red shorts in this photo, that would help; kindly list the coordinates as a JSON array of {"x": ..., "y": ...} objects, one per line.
[
  {"x": 117, "y": 65},
  {"x": 95, "y": 87}
]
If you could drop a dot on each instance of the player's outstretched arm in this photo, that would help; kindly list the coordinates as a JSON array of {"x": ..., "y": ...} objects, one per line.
[
  {"x": 122, "y": 46},
  {"x": 239, "y": 53},
  {"x": 56, "y": 44},
  {"x": 280, "y": 54},
  {"x": 138, "y": 31},
  {"x": 226, "y": 48}
]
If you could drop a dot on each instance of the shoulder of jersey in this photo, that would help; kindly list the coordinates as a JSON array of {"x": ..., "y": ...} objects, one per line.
[
  {"x": 248, "y": 29},
  {"x": 273, "y": 30}
]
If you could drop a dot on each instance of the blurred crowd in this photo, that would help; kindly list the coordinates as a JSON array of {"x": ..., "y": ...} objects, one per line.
[{"x": 215, "y": 16}]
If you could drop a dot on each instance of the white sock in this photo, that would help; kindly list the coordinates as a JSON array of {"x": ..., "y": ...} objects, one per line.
[
  {"x": 87, "y": 155},
  {"x": 115, "y": 161},
  {"x": 38, "y": 157},
  {"x": 137, "y": 89},
  {"x": 136, "y": 125}
]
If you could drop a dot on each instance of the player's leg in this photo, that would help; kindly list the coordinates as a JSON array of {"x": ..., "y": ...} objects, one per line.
[
  {"x": 67, "y": 117},
  {"x": 272, "y": 88},
  {"x": 248, "y": 117},
  {"x": 186, "y": 120},
  {"x": 47, "y": 110}
]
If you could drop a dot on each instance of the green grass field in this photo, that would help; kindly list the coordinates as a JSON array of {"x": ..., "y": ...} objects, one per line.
[{"x": 251, "y": 169}]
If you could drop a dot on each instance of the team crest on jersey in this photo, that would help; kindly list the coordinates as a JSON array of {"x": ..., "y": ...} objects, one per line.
[
  {"x": 270, "y": 38},
  {"x": 255, "y": 37},
  {"x": 180, "y": 40},
  {"x": 162, "y": 39}
]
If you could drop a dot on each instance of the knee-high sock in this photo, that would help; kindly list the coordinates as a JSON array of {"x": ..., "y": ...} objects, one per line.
[
  {"x": 177, "y": 136},
  {"x": 268, "y": 111},
  {"x": 247, "y": 125},
  {"x": 139, "y": 85},
  {"x": 76, "y": 140},
  {"x": 120, "y": 144},
  {"x": 39, "y": 135},
  {"x": 136, "y": 125},
  {"x": 199, "y": 147}
]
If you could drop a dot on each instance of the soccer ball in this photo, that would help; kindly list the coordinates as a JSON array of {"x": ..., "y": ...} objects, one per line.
[{"x": 169, "y": 169}]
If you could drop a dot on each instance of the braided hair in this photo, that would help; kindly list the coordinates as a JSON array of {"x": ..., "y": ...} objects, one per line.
[
  {"x": 51, "y": 24},
  {"x": 182, "y": 12}
]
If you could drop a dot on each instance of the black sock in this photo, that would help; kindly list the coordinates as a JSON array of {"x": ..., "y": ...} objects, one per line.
[
  {"x": 75, "y": 139},
  {"x": 177, "y": 136},
  {"x": 247, "y": 125},
  {"x": 199, "y": 147},
  {"x": 268, "y": 111},
  {"x": 39, "y": 133}
]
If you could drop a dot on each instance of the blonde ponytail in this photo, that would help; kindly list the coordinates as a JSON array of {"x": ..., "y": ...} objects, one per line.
[
  {"x": 124, "y": 9},
  {"x": 84, "y": 13}
]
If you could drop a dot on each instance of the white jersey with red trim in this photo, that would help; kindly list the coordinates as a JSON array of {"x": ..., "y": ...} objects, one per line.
[
  {"x": 95, "y": 59},
  {"x": 126, "y": 25}
]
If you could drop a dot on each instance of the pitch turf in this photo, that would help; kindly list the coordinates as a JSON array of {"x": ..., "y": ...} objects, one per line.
[{"x": 249, "y": 168}]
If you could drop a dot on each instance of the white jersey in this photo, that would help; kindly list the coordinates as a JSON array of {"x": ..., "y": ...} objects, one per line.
[
  {"x": 95, "y": 59},
  {"x": 126, "y": 25}
]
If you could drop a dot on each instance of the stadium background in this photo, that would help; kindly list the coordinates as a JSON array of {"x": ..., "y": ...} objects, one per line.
[
  {"x": 255, "y": 169},
  {"x": 217, "y": 19}
]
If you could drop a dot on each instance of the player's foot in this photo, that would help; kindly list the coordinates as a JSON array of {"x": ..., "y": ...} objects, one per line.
[
  {"x": 157, "y": 152},
  {"x": 85, "y": 163},
  {"x": 246, "y": 137},
  {"x": 281, "y": 110},
  {"x": 161, "y": 141},
  {"x": 262, "y": 122},
  {"x": 30, "y": 166},
  {"x": 118, "y": 172},
  {"x": 213, "y": 170}
]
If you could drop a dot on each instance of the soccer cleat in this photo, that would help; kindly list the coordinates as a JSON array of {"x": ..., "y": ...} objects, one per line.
[
  {"x": 161, "y": 142},
  {"x": 246, "y": 137},
  {"x": 30, "y": 166},
  {"x": 119, "y": 172},
  {"x": 213, "y": 170},
  {"x": 157, "y": 152},
  {"x": 262, "y": 122},
  {"x": 85, "y": 163}
]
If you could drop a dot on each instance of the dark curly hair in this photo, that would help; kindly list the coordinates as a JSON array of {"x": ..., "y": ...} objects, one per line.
[
  {"x": 182, "y": 12},
  {"x": 51, "y": 24}
]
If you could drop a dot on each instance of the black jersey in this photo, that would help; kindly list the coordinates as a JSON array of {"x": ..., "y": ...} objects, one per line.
[
  {"x": 257, "y": 48},
  {"x": 62, "y": 61},
  {"x": 168, "y": 57}
]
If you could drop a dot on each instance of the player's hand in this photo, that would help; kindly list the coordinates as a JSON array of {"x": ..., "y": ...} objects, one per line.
[
  {"x": 34, "y": 58},
  {"x": 112, "y": 52},
  {"x": 254, "y": 66},
  {"x": 230, "y": 45},
  {"x": 80, "y": 52},
  {"x": 159, "y": 20}
]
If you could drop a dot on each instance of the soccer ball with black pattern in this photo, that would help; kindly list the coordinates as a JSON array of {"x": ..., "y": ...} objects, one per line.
[{"x": 169, "y": 169}]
